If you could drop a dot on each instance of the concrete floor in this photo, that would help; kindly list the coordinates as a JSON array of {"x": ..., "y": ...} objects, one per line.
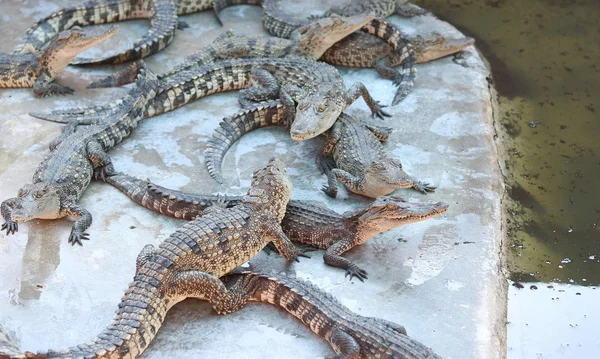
[{"x": 442, "y": 278}]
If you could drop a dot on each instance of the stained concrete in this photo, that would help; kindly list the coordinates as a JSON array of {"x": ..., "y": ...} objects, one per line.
[{"x": 441, "y": 278}]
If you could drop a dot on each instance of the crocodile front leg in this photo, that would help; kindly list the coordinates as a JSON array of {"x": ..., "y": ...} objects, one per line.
[
  {"x": 359, "y": 89},
  {"x": 6, "y": 209},
  {"x": 264, "y": 87},
  {"x": 201, "y": 285},
  {"x": 333, "y": 258},
  {"x": 290, "y": 251},
  {"x": 83, "y": 222},
  {"x": 382, "y": 133},
  {"x": 325, "y": 160},
  {"x": 351, "y": 182},
  {"x": 101, "y": 160},
  {"x": 44, "y": 86}
]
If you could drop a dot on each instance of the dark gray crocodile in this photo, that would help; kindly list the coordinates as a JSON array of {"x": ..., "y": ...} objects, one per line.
[
  {"x": 188, "y": 265},
  {"x": 352, "y": 152},
  {"x": 162, "y": 15},
  {"x": 38, "y": 68},
  {"x": 304, "y": 223},
  {"x": 76, "y": 156}
]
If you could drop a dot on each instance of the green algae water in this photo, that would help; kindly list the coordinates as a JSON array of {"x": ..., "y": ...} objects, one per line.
[{"x": 545, "y": 61}]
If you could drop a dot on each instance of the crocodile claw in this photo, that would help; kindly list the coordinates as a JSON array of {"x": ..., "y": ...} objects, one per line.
[
  {"x": 379, "y": 112},
  {"x": 355, "y": 271},
  {"x": 182, "y": 25},
  {"x": 10, "y": 226},
  {"x": 330, "y": 192},
  {"x": 77, "y": 237},
  {"x": 100, "y": 173},
  {"x": 300, "y": 251},
  {"x": 424, "y": 187}
]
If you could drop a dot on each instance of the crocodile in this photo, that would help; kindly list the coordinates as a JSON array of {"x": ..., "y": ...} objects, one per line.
[
  {"x": 38, "y": 68},
  {"x": 163, "y": 24},
  {"x": 349, "y": 334},
  {"x": 280, "y": 24},
  {"x": 303, "y": 223},
  {"x": 76, "y": 156},
  {"x": 317, "y": 88},
  {"x": 188, "y": 264},
  {"x": 352, "y": 152}
]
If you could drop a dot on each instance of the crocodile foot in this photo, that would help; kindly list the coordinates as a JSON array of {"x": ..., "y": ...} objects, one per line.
[
  {"x": 424, "y": 187},
  {"x": 100, "y": 173},
  {"x": 331, "y": 192},
  {"x": 356, "y": 271},
  {"x": 182, "y": 25},
  {"x": 325, "y": 164},
  {"x": 52, "y": 89},
  {"x": 77, "y": 237},
  {"x": 379, "y": 112},
  {"x": 300, "y": 251},
  {"x": 11, "y": 227}
]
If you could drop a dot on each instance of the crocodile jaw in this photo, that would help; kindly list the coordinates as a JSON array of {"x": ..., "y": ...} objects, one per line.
[
  {"x": 37, "y": 201},
  {"x": 437, "y": 46},
  {"x": 70, "y": 43}
]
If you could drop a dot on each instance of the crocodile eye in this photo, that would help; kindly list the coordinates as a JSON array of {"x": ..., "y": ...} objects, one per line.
[
  {"x": 39, "y": 194},
  {"x": 322, "y": 108},
  {"x": 21, "y": 193},
  {"x": 391, "y": 206}
]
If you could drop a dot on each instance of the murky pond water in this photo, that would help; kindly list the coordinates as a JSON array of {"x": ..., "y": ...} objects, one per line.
[{"x": 544, "y": 57}]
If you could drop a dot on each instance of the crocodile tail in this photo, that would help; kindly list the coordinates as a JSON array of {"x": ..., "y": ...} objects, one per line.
[
  {"x": 140, "y": 314},
  {"x": 90, "y": 13},
  {"x": 160, "y": 199},
  {"x": 402, "y": 52},
  {"x": 279, "y": 23},
  {"x": 264, "y": 114},
  {"x": 163, "y": 24},
  {"x": 219, "y": 5}
]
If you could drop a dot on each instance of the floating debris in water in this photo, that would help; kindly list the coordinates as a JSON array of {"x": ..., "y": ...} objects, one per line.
[
  {"x": 570, "y": 229},
  {"x": 534, "y": 123},
  {"x": 566, "y": 260}
]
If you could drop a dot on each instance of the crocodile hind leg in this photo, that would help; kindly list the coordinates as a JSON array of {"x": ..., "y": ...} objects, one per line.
[
  {"x": 101, "y": 160},
  {"x": 6, "y": 209},
  {"x": 344, "y": 345},
  {"x": 201, "y": 285},
  {"x": 264, "y": 87},
  {"x": 333, "y": 258},
  {"x": 44, "y": 86},
  {"x": 335, "y": 175},
  {"x": 68, "y": 130},
  {"x": 82, "y": 223},
  {"x": 360, "y": 90},
  {"x": 382, "y": 133}
]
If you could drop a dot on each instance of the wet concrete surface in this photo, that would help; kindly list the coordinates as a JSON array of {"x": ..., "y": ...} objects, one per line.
[{"x": 442, "y": 278}]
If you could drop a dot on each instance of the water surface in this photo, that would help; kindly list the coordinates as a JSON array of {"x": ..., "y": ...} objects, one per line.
[{"x": 544, "y": 57}]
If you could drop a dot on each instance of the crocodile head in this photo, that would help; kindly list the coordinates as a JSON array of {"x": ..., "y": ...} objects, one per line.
[
  {"x": 69, "y": 43},
  {"x": 270, "y": 188},
  {"x": 389, "y": 212},
  {"x": 39, "y": 200},
  {"x": 316, "y": 37},
  {"x": 317, "y": 112},
  {"x": 437, "y": 46},
  {"x": 383, "y": 176}
]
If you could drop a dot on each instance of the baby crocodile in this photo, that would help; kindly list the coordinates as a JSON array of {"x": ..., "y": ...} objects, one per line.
[
  {"x": 304, "y": 223},
  {"x": 37, "y": 68},
  {"x": 359, "y": 160},
  {"x": 162, "y": 15},
  {"x": 349, "y": 334},
  {"x": 75, "y": 156},
  {"x": 189, "y": 263}
]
